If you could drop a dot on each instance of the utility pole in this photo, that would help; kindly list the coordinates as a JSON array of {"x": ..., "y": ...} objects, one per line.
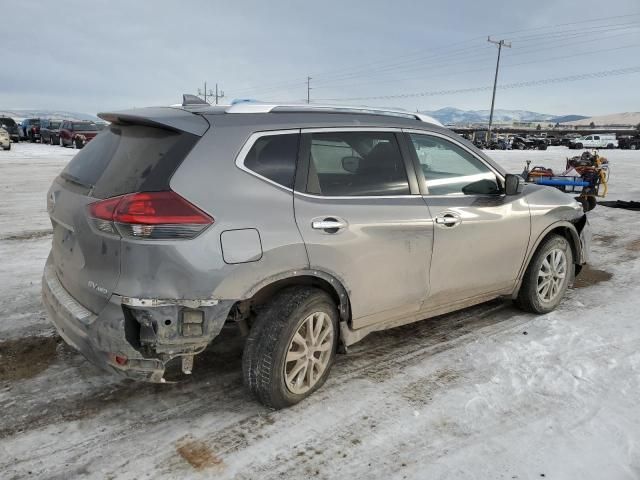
[
  {"x": 204, "y": 93},
  {"x": 500, "y": 43},
  {"x": 308, "y": 89},
  {"x": 218, "y": 95}
]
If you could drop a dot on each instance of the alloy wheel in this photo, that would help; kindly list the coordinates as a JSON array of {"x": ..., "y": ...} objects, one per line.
[
  {"x": 309, "y": 353},
  {"x": 551, "y": 275}
]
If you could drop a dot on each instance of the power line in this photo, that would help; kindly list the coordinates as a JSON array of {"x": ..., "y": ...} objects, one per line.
[
  {"x": 519, "y": 52},
  {"x": 530, "y": 83},
  {"x": 340, "y": 73},
  {"x": 469, "y": 55}
]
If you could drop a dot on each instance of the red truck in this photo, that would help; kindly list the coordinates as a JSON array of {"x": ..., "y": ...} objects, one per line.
[{"x": 77, "y": 134}]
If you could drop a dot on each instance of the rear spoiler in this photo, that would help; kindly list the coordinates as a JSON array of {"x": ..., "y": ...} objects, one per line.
[{"x": 176, "y": 119}]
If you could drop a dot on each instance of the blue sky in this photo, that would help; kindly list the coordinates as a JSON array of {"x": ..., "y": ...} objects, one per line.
[{"x": 109, "y": 54}]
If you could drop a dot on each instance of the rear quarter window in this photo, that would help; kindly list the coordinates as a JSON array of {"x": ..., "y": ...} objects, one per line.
[
  {"x": 274, "y": 157},
  {"x": 127, "y": 159}
]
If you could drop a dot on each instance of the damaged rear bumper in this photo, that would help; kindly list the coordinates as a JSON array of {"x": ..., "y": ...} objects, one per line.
[{"x": 135, "y": 339}]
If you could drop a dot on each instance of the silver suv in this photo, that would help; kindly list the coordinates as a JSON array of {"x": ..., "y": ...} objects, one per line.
[{"x": 306, "y": 227}]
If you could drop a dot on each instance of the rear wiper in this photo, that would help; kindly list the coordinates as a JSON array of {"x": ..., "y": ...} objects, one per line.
[{"x": 76, "y": 180}]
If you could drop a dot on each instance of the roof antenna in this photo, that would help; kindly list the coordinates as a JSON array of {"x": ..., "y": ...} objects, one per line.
[{"x": 188, "y": 99}]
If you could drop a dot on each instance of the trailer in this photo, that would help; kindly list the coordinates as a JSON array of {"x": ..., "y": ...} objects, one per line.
[{"x": 587, "y": 175}]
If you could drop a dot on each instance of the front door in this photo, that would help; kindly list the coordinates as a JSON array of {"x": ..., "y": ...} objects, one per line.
[
  {"x": 480, "y": 234},
  {"x": 364, "y": 221}
]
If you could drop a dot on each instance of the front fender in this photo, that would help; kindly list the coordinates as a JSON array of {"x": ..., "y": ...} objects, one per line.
[{"x": 580, "y": 239}]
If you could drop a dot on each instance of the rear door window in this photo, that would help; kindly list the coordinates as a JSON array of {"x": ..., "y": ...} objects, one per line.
[
  {"x": 127, "y": 159},
  {"x": 274, "y": 158},
  {"x": 356, "y": 164}
]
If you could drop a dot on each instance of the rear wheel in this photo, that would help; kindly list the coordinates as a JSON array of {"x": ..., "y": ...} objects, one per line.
[
  {"x": 291, "y": 347},
  {"x": 579, "y": 146},
  {"x": 547, "y": 276},
  {"x": 610, "y": 146}
]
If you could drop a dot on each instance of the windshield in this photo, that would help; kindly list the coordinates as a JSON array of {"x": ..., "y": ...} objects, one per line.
[
  {"x": 54, "y": 124},
  {"x": 85, "y": 127}
]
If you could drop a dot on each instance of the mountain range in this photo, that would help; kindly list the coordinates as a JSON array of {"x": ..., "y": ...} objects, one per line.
[
  {"x": 447, "y": 115},
  {"x": 451, "y": 116},
  {"x": 19, "y": 114}
]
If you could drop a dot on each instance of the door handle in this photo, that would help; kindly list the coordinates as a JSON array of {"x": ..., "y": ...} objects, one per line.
[
  {"x": 448, "y": 220},
  {"x": 329, "y": 224}
]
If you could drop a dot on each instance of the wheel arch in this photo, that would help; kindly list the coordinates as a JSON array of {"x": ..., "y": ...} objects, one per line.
[
  {"x": 265, "y": 289},
  {"x": 563, "y": 228}
]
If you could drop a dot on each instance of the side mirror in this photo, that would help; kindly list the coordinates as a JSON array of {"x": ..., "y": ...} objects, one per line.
[
  {"x": 513, "y": 184},
  {"x": 351, "y": 164}
]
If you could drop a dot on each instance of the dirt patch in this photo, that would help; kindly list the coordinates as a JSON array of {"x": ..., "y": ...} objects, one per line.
[
  {"x": 422, "y": 391},
  {"x": 29, "y": 235},
  {"x": 604, "y": 239},
  {"x": 26, "y": 357},
  {"x": 591, "y": 276},
  {"x": 634, "y": 245},
  {"x": 197, "y": 454}
]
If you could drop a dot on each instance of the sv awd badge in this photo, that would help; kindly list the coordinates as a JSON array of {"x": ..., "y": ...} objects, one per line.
[{"x": 97, "y": 287}]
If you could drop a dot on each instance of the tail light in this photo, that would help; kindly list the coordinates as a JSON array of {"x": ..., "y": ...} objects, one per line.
[{"x": 152, "y": 215}]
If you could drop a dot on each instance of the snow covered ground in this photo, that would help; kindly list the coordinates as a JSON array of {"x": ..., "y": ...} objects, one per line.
[{"x": 485, "y": 393}]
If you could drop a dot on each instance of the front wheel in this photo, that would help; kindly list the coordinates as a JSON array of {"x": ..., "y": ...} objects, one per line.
[
  {"x": 547, "y": 277},
  {"x": 291, "y": 347}
]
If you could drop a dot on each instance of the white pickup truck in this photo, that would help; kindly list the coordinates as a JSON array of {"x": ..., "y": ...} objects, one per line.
[{"x": 602, "y": 140}]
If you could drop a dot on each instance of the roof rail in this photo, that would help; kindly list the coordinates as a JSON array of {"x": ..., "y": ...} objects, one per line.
[{"x": 255, "y": 107}]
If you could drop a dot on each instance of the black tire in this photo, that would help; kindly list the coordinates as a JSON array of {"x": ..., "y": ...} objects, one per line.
[
  {"x": 610, "y": 146},
  {"x": 263, "y": 360},
  {"x": 542, "y": 147},
  {"x": 528, "y": 298},
  {"x": 579, "y": 146}
]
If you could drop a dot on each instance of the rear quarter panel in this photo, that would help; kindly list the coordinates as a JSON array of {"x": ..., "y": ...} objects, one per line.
[{"x": 209, "y": 179}]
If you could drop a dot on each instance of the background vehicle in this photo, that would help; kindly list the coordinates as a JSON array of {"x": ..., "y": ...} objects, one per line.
[
  {"x": 5, "y": 140},
  {"x": 603, "y": 140},
  {"x": 629, "y": 143},
  {"x": 30, "y": 129},
  {"x": 10, "y": 125},
  {"x": 553, "y": 141},
  {"x": 49, "y": 130},
  {"x": 76, "y": 134},
  {"x": 522, "y": 143},
  {"x": 568, "y": 138},
  {"x": 306, "y": 227},
  {"x": 539, "y": 143}
]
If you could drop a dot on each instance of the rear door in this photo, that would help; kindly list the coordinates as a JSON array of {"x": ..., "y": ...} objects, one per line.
[
  {"x": 359, "y": 211},
  {"x": 480, "y": 234},
  {"x": 121, "y": 160}
]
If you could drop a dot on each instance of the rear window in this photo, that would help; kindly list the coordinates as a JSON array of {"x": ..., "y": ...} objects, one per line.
[
  {"x": 127, "y": 159},
  {"x": 10, "y": 122}
]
